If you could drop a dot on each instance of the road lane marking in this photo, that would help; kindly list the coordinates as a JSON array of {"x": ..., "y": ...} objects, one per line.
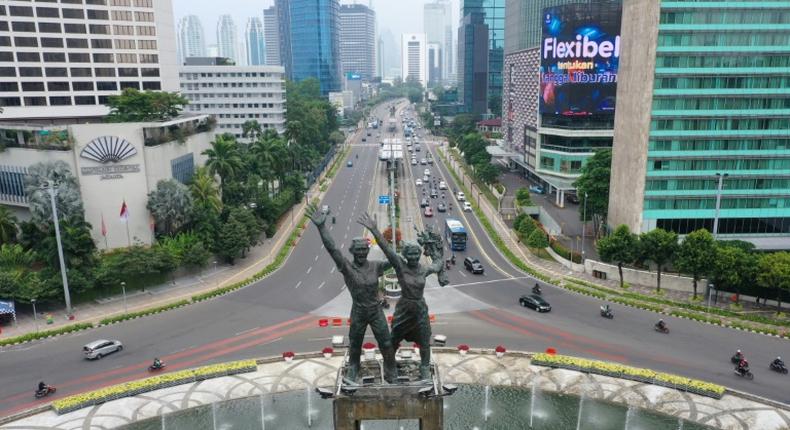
[
  {"x": 297, "y": 284},
  {"x": 462, "y": 273},
  {"x": 322, "y": 285},
  {"x": 333, "y": 269},
  {"x": 309, "y": 269},
  {"x": 316, "y": 258},
  {"x": 246, "y": 331}
]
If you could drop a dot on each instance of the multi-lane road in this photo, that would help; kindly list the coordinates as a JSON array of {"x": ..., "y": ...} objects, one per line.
[{"x": 280, "y": 312}]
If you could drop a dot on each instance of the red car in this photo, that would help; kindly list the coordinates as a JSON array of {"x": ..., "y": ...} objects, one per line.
[{"x": 428, "y": 211}]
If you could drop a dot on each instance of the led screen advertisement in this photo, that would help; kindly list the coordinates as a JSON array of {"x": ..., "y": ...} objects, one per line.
[{"x": 580, "y": 54}]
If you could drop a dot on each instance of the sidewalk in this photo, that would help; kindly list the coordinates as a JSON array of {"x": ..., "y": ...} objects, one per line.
[{"x": 179, "y": 288}]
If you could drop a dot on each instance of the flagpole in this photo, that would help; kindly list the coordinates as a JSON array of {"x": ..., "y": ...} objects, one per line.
[
  {"x": 104, "y": 232},
  {"x": 128, "y": 238}
]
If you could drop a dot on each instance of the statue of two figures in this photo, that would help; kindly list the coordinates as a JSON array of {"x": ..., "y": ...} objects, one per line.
[{"x": 411, "y": 321}]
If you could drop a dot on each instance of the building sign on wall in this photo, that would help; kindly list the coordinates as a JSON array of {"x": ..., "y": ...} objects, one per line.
[
  {"x": 580, "y": 55},
  {"x": 109, "y": 149}
]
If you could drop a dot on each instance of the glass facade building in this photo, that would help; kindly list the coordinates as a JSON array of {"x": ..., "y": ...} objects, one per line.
[{"x": 493, "y": 12}]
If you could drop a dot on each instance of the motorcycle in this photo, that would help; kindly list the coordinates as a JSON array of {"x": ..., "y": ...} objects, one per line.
[
  {"x": 153, "y": 368},
  {"x": 447, "y": 264},
  {"x": 607, "y": 313},
  {"x": 45, "y": 392},
  {"x": 660, "y": 329},
  {"x": 536, "y": 289},
  {"x": 779, "y": 368},
  {"x": 744, "y": 373}
]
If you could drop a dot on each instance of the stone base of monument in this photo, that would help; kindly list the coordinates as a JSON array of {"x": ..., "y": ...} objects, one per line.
[{"x": 373, "y": 399}]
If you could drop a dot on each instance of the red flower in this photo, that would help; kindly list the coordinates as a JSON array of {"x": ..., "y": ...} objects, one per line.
[
  {"x": 327, "y": 350},
  {"x": 500, "y": 348},
  {"x": 463, "y": 347},
  {"x": 288, "y": 354},
  {"x": 368, "y": 345}
]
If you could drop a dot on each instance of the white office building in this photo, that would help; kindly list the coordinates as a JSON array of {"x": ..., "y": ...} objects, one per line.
[
  {"x": 235, "y": 94},
  {"x": 253, "y": 36},
  {"x": 62, "y": 60},
  {"x": 191, "y": 39},
  {"x": 358, "y": 40},
  {"x": 414, "y": 55},
  {"x": 438, "y": 26},
  {"x": 271, "y": 36},
  {"x": 227, "y": 38}
]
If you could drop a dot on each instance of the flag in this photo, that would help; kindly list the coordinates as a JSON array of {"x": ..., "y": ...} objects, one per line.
[
  {"x": 124, "y": 212},
  {"x": 103, "y": 226}
]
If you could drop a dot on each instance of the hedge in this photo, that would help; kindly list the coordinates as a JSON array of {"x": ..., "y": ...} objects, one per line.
[
  {"x": 144, "y": 312},
  {"x": 44, "y": 334},
  {"x": 696, "y": 316}
]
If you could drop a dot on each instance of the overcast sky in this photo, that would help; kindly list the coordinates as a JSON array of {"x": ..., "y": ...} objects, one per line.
[{"x": 400, "y": 16}]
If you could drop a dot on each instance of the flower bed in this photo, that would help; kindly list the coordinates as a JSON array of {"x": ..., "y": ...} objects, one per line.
[
  {"x": 79, "y": 401},
  {"x": 627, "y": 372}
]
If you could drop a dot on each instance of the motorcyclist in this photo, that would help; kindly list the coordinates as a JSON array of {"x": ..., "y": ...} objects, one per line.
[
  {"x": 536, "y": 288},
  {"x": 738, "y": 356},
  {"x": 743, "y": 366},
  {"x": 157, "y": 363},
  {"x": 778, "y": 363},
  {"x": 661, "y": 325},
  {"x": 605, "y": 309},
  {"x": 42, "y": 387},
  {"x": 452, "y": 259}
]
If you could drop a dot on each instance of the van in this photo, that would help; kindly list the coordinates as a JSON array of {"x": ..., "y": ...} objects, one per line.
[{"x": 99, "y": 348}]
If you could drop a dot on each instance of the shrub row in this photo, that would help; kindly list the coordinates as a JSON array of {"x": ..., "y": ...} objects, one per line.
[
  {"x": 696, "y": 317},
  {"x": 637, "y": 304},
  {"x": 46, "y": 333},
  {"x": 565, "y": 252},
  {"x": 144, "y": 312},
  {"x": 336, "y": 165}
]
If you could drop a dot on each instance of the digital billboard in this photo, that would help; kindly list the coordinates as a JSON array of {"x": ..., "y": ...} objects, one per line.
[{"x": 580, "y": 55}]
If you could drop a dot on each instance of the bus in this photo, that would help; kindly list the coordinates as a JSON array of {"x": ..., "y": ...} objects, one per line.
[{"x": 455, "y": 233}]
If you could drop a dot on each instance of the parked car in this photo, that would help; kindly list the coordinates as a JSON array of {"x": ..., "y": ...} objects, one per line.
[
  {"x": 418, "y": 182},
  {"x": 473, "y": 265},
  {"x": 428, "y": 212},
  {"x": 467, "y": 207},
  {"x": 441, "y": 208},
  {"x": 424, "y": 203},
  {"x": 537, "y": 189},
  {"x": 572, "y": 198},
  {"x": 534, "y": 301},
  {"x": 461, "y": 196},
  {"x": 425, "y": 178},
  {"x": 442, "y": 185},
  {"x": 99, "y": 348}
]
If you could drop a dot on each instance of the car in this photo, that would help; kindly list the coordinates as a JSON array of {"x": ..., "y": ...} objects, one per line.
[
  {"x": 442, "y": 207},
  {"x": 467, "y": 207},
  {"x": 364, "y": 139},
  {"x": 430, "y": 161},
  {"x": 473, "y": 265},
  {"x": 572, "y": 198},
  {"x": 99, "y": 348},
  {"x": 434, "y": 193},
  {"x": 413, "y": 162},
  {"x": 425, "y": 178},
  {"x": 423, "y": 162},
  {"x": 442, "y": 185},
  {"x": 418, "y": 182},
  {"x": 534, "y": 301},
  {"x": 427, "y": 172},
  {"x": 424, "y": 203},
  {"x": 417, "y": 148},
  {"x": 411, "y": 149},
  {"x": 368, "y": 134},
  {"x": 537, "y": 189},
  {"x": 428, "y": 212},
  {"x": 461, "y": 196},
  {"x": 350, "y": 163},
  {"x": 325, "y": 209}
]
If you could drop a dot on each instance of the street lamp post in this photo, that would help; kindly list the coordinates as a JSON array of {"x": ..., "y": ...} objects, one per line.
[
  {"x": 52, "y": 188},
  {"x": 584, "y": 224},
  {"x": 123, "y": 288},
  {"x": 718, "y": 202},
  {"x": 35, "y": 315}
]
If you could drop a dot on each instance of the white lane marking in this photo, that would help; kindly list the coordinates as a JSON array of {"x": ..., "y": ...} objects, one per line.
[
  {"x": 246, "y": 331},
  {"x": 309, "y": 269},
  {"x": 343, "y": 245},
  {"x": 322, "y": 285},
  {"x": 462, "y": 273},
  {"x": 316, "y": 258},
  {"x": 297, "y": 284},
  {"x": 343, "y": 287},
  {"x": 333, "y": 269}
]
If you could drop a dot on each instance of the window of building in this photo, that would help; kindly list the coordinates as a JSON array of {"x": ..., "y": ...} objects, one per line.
[
  {"x": 105, "y": 72},
  {"x": 10, "y": 101},
  {"x": 30, "y": 71},
  {"x": 101, "y": 43},
  {"x": 58, "y": 86},
  {"x": 99, "y": 29},
  {"x": 106, "y": 86},
  {"x": 25, "y": 42},
  {"x": 71, "y": 1},
  {"x": 103, "y": 58},
  {"x": 60, "y": 101},
  {"x": 7, "y": 72},
  {"x": 152, "y": 85},
  {"x": 51, "y": 42},
  {"x": 6, "y": 56},
  {"x": 144, "y": 3},
  {"x": 79, "y": 57},
  {"x": 54, "y": 57},
  {"x": 49, "y": 27},
  {"x": 97, "y": 2},
  {"x": 20, "y": 11},
  {"x": 73, "y": 13},
  {"x": 2, "y": 10},
  {"x": 103, "y": 100},
  {"x": 121, "y": 15},
  {"x": 74, "y": 28},
  {"x": 5, "y": 41},
  {"x": 81, "y": 72},
  {"x": 84, "y": 100},
  {"x": 82, "y": 86},
  {"x": 47, "y": 12},
  {"x": 35, "y": 101},
  {"x": 28, "y": 57},
  {"x": 126, "y": 72},
  {"x": 146, "y": 31},
  {"x": 59, "y": 72},
  {"x": 149, "y": 58},
  {"x": 12, "y": 182},
  {"x": 147, "y": 44},
  {"x": 144, "y": 16},
  {"x": 149, "y": 72},
  {"x": 98, "y": 14},
  {"x": 123, "y": 30},
  {"x": 125, "y": 44},
  {"x": 121, "y": 2},
  {"x": 9, "y": 87},
  {"x": 129, "y": 84},
  {"x": 21, "y": 26},
  {"x": 77, "y": 43},
  {"x": 183, "y": 168}
]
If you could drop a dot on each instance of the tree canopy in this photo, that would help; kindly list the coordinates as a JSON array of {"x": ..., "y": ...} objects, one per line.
[
  {"x": 141, "y": 106},
  {"x": 620, "y": 248},
  {"x": 594, "y": 182},
  {"x": 695, "y": 255}
]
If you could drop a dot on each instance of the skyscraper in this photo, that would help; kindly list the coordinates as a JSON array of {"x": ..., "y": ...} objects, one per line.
[
  {"x": 414, "y": 56},
  {"x": 389, "y": 52},
  {"x": 701, "y": 140},
  {"x": 191, "y": 41},
  {"x": 227, "y": 39},
  {"x": 438, "y": 27},
  {"x": 309, "y": 45},
  {"x": 358, "y": 40},
  {"x": 254, "y": 38},
  {"x": 271, "y": 35},
  {"x": 434, "y": 64},
  {"x": 493, "y": 12},
  {"x": 473, "y": 71}
]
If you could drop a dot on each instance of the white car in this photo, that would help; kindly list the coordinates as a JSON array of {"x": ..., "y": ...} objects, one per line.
[
  {"x": 425, "y": 178},
  {"x": 427, "y": 172},
  {"x": 442, "y": 185},
  {"x": 99, "y": 348},
  {"x": 467, "y": 207},
  {"x": 413, "y": 161},
  {"x": 418, "y": 182},
  {"x": 461, "y": 197}
]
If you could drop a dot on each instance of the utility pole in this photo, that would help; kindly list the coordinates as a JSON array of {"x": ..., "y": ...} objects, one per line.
[
  {"x": 52, "y": 188},
  {"x": 392, "y": 198},
  {"x": 584, "y": 224}
]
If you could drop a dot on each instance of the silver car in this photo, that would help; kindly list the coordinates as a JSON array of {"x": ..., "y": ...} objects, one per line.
[{"x": 99, "y": 348}]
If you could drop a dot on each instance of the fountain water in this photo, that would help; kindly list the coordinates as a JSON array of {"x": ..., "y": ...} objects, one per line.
[
  {"x": 263, "y": 415},
  {"x": 628, "y": 418},
  {"x": 579, "y": 417},
  {"x": 214, "y": 415},
  {"x": 163, "y": 422},
  {"x": 680, "y": 424},
  {"x": 486, "y": 410},
  {"x": 309, "y": 406},
  {"x": 532, "y": 395}
]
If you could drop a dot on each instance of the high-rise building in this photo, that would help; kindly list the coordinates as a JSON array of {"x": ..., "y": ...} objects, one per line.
[
  {"x": 414, "y": 53},
  {"x": 473, "y": 55},
  {"x": 191, "y": 40},
  {"x": 389, "y": 54},
  {"x": 434, "y": 64},
  {"x": 309, "y": 45},
  {"x": 235, "y": 94},
  {"x": 254, "y": 38},
  {"x": 701, "y": 140},
  {"x": 227, "y": 38},
  {"x": 66, "y": 65},
  {"x": 358, "y": 40},
  {"x": 437, "y": 23},
  {"x": 493, "y": 12},
  {"x": 271, "y": 35}
]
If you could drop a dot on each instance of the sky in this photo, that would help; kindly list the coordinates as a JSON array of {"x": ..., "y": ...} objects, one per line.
[{"x": 399, "y": 16}]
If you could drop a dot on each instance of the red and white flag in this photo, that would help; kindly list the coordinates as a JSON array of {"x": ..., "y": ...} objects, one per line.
[
  {"x": 103, "y": 226},
  {"x": 124, "y": 212}
]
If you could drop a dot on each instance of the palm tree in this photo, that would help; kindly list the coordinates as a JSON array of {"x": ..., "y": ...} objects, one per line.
[
  {"x": 252, "y": 129},
  {"x": 224, "y": 158},
  {"x": 8, "y": 229},
  {"x": 204, "y": 190}
]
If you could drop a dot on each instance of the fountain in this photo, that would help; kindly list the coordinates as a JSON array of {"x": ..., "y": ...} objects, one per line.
[
  {"x": 308, "y": 394},
  {"x": 628, "y": 418},
  {"x": 532, "y": 395},
  {"x": 486, "y": 409},
  {"x": 579, "y": 417}
]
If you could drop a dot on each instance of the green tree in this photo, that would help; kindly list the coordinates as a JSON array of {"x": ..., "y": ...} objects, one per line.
[
  {"x": 187, "y": 248},
  {"x": 774, "y": 272},
  {"x": 251, "y": 129},
  {"x": 224, "y": 159},
  {"x": 142, "y": 106},
  {"x": 67, "y": 199},
  {"x": 135, "y": 265},
  {"x": 659, "y": 246},
  {"x": 538, "y": 239},
  {"x": 519, "y": 219},
  {"x": 495, "y": 105},
  {"x": 487, "y": 172},
  {"x": 252, "y": 227},
  {"x": 523, "y": 198},
  {"x": 204, "y": 190},
  {"x": 594, "y": 182},
  {"x": 171, "y": 205},
  {"x": 17, "y": 280},
  {"x": 526, "y": 228},
  {"x": 232, "y": 240},
  {"x": 733, "y": 268},
  {"x": 695, "y": 255},
  {"x": 620, "y": 247},
  {"x": 8, "y": 228}
]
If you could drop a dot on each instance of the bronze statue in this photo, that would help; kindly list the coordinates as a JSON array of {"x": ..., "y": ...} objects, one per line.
[
  {"x": 362, "y": 280},
  {"x": 411, "y": 321}
]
